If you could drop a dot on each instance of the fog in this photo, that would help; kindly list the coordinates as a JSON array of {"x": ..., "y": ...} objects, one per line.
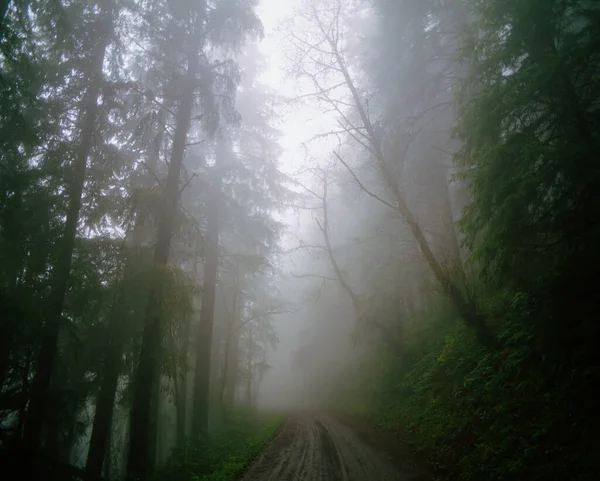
[
  {"x": 321, "y": 342},
  {"x": 249, "y": 187},
  {"x": 215, "y": 213}
]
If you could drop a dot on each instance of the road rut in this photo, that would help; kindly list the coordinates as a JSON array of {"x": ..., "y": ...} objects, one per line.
[{"x": 317, "y": 447}]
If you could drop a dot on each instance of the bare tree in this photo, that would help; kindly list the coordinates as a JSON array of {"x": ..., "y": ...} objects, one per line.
[
  {"x": 320, "y": 58},
  {"x": 388, "y": 333}
]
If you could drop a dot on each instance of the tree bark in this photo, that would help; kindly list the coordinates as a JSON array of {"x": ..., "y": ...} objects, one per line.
[
  {"x": 8, "y": 326},
  {"x": 9, "y": 308},
  {"x": 4, "y": 4},
  {"x": 154, "y": 425},
  {"x": 182, "y": 388},
  {"x": 336, "y": 268},
  {"x": 249, "y": 368},
  {"x": 67, "y": 444},
  {"x": 225, "y": 373},
  {"x": 48, "y": 350},
  {"x": 391, "y": 340},
  {"x": 103, "y": 418},
  {"x": 200, "y": 411},
  {"x": 100, "y": 437},
  {"x": 137, "y": 465},
  {"x": 232, "y": 370},
  {"x": 22, "y": 419},
  {"x": 106, "y": 465},
  {"x": 51, "y": 446},
  {"x": 227, "y": 357},
  {"x": 465, "y": 309},
  {"x": 105, "y": 401}
]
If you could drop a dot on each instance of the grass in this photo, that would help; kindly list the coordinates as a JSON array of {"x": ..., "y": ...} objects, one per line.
[
  {"x": 475, "y": 414},
  {"x": 226, "y": 453}
]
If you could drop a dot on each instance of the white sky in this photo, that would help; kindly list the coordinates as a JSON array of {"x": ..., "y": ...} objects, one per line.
[
  {"x": 297, "y": 125},
  {"x": 301, "y": 123}
]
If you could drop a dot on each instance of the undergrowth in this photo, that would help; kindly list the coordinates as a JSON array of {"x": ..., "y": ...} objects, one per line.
[
  {"x": 475, "y": 414},
  {"x": 226, "y": 453}
]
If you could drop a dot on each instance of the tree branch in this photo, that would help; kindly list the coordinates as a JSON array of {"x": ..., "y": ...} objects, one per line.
[
  {"x": 270, "y": 312},
  {"x": 314, "y": 276},
  {"x": 362, "y": 186}
]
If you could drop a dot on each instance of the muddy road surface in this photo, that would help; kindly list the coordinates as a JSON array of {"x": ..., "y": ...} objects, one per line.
[{"x": 317, "y": 447}]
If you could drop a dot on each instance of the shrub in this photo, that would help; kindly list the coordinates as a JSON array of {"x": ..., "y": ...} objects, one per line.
[{"x": 223, "y": 455}]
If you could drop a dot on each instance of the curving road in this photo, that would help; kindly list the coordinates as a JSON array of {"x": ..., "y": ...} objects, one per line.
[{"x": 316, "y": 447}]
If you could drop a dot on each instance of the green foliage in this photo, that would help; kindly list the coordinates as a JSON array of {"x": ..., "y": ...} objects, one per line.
[
  {"x": 225, "y": 454},
  {"x": 477, "y": 414},
  {"x": 528, "y": 127},
  {"x": 529, "y": 135}
]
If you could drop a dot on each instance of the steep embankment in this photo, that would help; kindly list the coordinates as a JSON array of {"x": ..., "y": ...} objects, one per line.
[{"x": 477, "y": 414}]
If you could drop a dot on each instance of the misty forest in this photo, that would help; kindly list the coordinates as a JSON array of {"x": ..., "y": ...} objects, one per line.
[{"x": 299, "y": 240}]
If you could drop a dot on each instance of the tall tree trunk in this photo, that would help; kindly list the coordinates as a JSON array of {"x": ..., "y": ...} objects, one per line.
[
  {"x": 51, "y": 445},
  {"x": 25, "y": 383},
  {"x": 103, "y": 415},
  {"x": 256, "y": 386},
  {"x": 249, "y": 368},
  {"x": 200, "y": 411},
  {"x": 154, "y": 425},
  {"x": 47, "y": 354},
  {"x": 225, "y": 373},
  {"x": 232, "y": 369},
  {"x": 386, "y": 331},
  {"x": 67, "y": 443},
  {"x": 8, "y": 326},
  {"x": 182, "y": 388},
  {"x": 137, "y": 464},
  {"x": 106, "y": 465},
  {"x": 450, "y": 226},
  {"x": 9, "y": 308},
  {"x": 231, "y": 331},
  {"x": 410, "y": 302},
  {"x": 3, "y": 11},
  {"x": 466, "y": 309},
  {"x": 436, "y": 173}
]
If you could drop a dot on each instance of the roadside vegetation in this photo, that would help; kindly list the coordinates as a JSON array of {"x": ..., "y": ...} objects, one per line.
[
  {"x": 426, "y": 223},
  {"x": 479, "y": 347},
  {"x": 471, "y": 413},
  {"x": 227, "y": 452}
]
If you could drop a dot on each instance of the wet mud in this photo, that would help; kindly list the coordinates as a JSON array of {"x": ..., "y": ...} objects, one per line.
[{"x": 318, "y": 447}]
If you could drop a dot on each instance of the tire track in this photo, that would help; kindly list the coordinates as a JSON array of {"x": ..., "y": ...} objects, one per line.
[{"x": 315, "y": 447}]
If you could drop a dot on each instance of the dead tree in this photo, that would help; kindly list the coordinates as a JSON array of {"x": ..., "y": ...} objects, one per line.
[
  {"x": 322, "y": 60},
  {"x": 388, "y": 335}
]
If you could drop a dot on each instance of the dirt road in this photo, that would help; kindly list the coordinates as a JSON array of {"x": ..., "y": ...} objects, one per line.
[{"x": 316, "y": 447}]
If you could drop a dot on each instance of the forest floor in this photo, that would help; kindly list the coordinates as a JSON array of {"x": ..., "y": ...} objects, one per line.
[{"x": 320, "y": 447}]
